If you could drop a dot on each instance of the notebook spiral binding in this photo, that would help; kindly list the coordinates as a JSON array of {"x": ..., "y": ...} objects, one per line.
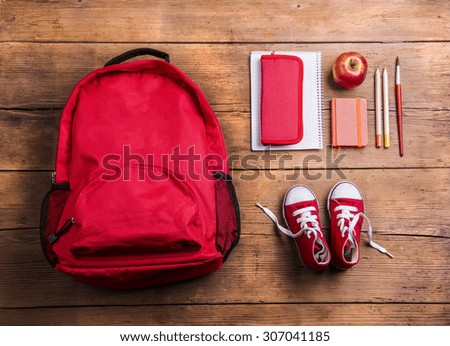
[{"x": 320, "y": 98}]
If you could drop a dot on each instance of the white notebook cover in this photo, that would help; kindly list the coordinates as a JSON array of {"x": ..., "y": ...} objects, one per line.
[{"x": 312, "y": 102}]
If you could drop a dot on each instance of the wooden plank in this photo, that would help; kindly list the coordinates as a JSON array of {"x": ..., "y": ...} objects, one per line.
[
  {"x": 242, "y": 314},
  {"x": 425, "y": 136},
  {"x": 205, "y": 21},
  {"x": 29, "y": 141},
  {"x": 43, "y": 75},
  {"x": 21, "y": 194},
  {"x": 396, "y": 200},
  {"x": 264, "y": 268}
]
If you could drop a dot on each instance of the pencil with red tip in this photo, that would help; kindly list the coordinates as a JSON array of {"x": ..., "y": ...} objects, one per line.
[{"x": 398, "y": 99}]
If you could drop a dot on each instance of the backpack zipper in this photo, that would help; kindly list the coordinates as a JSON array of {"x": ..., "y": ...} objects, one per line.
[
  {"x": 58, "y": 186},
  {"x": 52, "y": 238}
]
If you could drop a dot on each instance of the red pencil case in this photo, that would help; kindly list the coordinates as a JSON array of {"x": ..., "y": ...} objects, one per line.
[{"x": 281, "y": 99}]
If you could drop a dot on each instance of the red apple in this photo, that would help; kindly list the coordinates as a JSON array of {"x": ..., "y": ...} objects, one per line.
[{"x": 350, "y": 69}]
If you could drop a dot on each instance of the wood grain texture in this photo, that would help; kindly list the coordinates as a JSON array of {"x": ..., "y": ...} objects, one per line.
[
  {"x": 242, "y": 314},
  {"x": 396, "y": 200},
  {"x": 225, "y": 21},
  {"x": 43, "y": 75},
  {"x": 264, "y": 268},
  {"x": 29, "y": 140},
  {"x": 46, "y": 47}
]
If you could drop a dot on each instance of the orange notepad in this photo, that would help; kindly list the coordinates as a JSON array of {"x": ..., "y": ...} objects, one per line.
[{"x": 349, "y": 122}]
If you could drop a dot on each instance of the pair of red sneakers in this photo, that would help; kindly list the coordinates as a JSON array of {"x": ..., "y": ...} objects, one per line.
[{"x": 346, "y": 210}]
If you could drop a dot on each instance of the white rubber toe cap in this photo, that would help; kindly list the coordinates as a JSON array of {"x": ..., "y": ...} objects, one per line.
[
  {"x": 298, "y": 193},
  {"x": 346, "y": 190}
]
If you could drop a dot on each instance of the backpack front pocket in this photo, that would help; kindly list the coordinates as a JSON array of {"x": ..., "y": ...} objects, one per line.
[{"x": 136, "y": 217}]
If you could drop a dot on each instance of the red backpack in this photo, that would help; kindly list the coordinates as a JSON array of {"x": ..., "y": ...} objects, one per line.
[{"x": 141, "y": 194}]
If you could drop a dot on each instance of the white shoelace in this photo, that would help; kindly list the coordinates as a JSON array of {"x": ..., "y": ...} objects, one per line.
[
  {"x": 346, "y": 214},
  {"x": 304, "y": 217}
]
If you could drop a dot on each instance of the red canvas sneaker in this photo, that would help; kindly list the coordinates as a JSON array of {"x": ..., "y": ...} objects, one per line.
[
  {"x": 346, "y": 210},
  {"x": 301, "y": 214}
]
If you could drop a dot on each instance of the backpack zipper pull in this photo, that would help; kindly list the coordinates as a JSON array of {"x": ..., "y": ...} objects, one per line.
[{"x": 52, "y": 238}]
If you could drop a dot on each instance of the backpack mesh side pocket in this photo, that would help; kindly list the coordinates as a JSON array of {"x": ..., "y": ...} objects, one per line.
[
  {"x": 227, "y": 214},
  {"x": 51, "y": 211}
]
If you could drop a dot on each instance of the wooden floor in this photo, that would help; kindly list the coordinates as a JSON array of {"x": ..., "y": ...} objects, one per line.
[{"x": 47, "y": 46}]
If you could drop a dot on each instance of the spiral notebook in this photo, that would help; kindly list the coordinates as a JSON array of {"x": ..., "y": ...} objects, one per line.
[{"x": 312, "y": 102}]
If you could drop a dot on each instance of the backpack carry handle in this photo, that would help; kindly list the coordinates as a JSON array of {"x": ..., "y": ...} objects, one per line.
[{"x": 137, "y": 52}]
